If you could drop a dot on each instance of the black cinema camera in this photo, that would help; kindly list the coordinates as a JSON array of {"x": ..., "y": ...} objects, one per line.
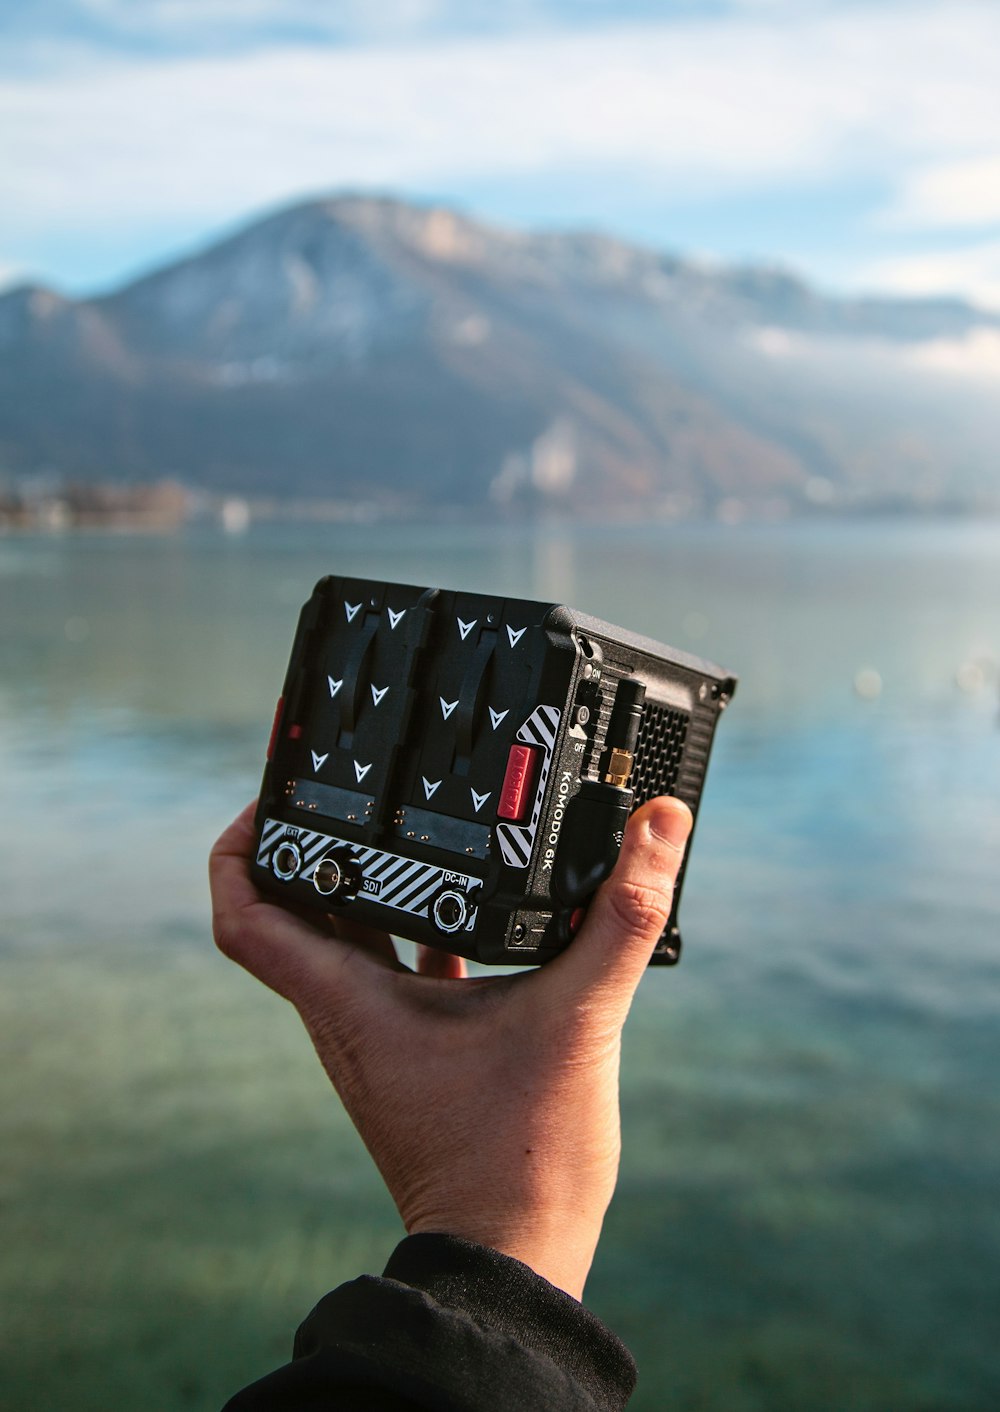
[{"x": 458, "y": 769}]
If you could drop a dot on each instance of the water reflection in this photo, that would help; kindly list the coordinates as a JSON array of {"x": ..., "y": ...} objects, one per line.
[{"x": 812, "y": 1118}]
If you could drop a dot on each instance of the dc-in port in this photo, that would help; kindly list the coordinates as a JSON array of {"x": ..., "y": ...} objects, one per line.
[
  {"x": 286, "y": 860},
  {"x": 450, "y": 911}
]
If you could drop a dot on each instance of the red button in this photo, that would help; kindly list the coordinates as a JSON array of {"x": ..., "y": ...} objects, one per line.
[
  {"x": 518, "y": 783},
  {"x": 278, "y": 713}
]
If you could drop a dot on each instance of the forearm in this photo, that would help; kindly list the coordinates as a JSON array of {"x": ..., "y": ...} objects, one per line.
[{"x": 490, "y": 1107}]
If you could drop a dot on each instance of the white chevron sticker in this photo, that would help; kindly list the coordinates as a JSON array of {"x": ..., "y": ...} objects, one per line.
[
  {"x": 515, "y": 637},
  {"x": 447, "y": 707},
  {"x": 430, "y": 788},
  {"x": 318, "y": 759},
  {"x": 497, "y": 716},
  {"x": 466, "y": 628},
  {"x": 394, "y": 618},
  {"x": 351, "y": 609},
  {"x": 361, "y": 770},
  {"x": 378, "y": 692},
  {"x": 478, "y": 800},
  {"x": 335, "y": 685}
]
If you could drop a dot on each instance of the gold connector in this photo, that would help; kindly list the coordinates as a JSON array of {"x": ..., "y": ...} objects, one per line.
[{"x": 619, "y": 768}]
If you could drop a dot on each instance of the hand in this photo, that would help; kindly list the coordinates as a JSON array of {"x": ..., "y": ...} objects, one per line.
[{"x": 489, "y": 1105}]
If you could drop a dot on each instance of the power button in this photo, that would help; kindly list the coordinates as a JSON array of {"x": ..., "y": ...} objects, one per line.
[{"x": 518, "y": 783}]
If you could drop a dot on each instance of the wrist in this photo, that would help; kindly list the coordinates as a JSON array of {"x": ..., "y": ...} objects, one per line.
[{"x": 559, "y": 1247}]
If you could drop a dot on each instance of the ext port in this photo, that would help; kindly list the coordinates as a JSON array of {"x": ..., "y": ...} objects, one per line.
[{"x": 286, "y": 860}]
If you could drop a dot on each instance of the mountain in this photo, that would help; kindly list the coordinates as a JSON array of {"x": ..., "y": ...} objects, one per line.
[{"x": 368, "y": 348}]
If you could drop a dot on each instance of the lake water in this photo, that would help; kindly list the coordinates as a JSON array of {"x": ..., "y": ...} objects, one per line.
[{"x": 808, "y": 1210}]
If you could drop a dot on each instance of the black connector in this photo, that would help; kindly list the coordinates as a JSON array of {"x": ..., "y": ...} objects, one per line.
[
  {"x": 591, "y": 840},
  {"x": 623, "y": 732}
]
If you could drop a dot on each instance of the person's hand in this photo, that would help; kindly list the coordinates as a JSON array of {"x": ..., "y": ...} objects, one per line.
[{"x": 490, "y": 1105}]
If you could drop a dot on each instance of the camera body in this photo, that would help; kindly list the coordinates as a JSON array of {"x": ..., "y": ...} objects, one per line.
[{"x": 458, "y": 768}]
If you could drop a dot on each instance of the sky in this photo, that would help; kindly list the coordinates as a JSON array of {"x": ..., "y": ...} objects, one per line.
[{"x": 856, "y": 144}]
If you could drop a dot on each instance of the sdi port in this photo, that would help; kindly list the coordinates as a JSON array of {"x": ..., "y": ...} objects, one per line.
[{"x": 335, "y": 878}]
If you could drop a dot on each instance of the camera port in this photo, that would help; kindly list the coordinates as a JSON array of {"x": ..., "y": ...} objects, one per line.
[
  {"x": 450, "y": 911},
  {"x": 336, "y": 877},
  {"x": 328, "y": 877},
  {"x": 286, "y": 860}
]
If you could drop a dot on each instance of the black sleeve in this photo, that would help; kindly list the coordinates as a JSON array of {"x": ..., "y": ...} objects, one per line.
[{"x": 453, "y": 1327}]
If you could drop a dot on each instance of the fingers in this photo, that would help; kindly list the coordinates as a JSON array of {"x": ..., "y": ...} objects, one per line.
[
  {"x": 236, "y": 841},
  {"x": 295, "y": 955},
  {"x": 440, "y": 964},
  {"x": 379, "y": 943},
  {"x": 628, "y": 914},
  {"x": 288, "y": 952}
]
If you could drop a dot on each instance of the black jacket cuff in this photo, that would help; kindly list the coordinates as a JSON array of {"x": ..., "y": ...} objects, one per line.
[
  {"x": 510, "y": 1300},
  {"x": 454, "y": 1327}
]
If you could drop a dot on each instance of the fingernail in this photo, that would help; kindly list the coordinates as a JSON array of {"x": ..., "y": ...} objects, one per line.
[{"x": 672, "y": 824}]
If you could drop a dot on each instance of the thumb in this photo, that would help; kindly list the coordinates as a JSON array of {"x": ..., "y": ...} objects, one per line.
[{"x": 628, "y": 913}]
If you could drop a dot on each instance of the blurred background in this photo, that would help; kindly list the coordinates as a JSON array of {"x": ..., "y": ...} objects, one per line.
[{"x": 686, "y": 315}]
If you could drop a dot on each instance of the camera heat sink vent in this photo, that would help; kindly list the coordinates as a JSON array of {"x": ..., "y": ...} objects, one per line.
[{"x": 658, "y": 751}]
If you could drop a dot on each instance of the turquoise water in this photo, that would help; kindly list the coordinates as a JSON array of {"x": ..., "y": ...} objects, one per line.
[{"x": 807, "y": 1213}]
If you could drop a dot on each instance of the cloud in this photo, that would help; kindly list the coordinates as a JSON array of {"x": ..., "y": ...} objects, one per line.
[
  {"x": 11, "y": 274},
  {"x": 739, "y": 103},
  {"x": 229, "y": 26},
  {"x": 193, "y": 26},
  {"x": 223, "y": 23},
  {"x": 973, "y": 271},
  {"x": 766, "y": 98},
  {"x": 949, "y": 196},
  {"x": 976, "y": 356}
]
